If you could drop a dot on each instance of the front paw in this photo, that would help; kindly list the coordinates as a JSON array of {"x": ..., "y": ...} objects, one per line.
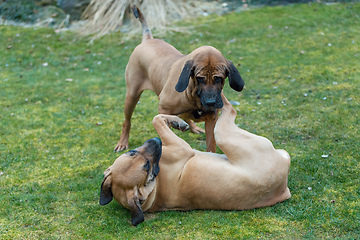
[
  {"x": 182, "y": 126},
  {"x": 121, "y": 146},
  {"x": 195, "y": 129}
]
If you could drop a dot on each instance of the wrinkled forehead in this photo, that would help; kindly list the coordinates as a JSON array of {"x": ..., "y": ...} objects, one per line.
[
  {"x": 202, "y": 69},
  {"x": 210, "y": 63},
  {"x": 125, "y": 162},
  {"x": 128, "y": 172}
]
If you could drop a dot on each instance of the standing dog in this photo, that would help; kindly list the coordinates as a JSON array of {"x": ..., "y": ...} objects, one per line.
[
  {"x": 168, "y": 174},
  {"x": 189, "y": 86}
]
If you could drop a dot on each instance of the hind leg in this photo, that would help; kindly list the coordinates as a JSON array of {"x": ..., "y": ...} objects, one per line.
[{"x": 228, "y": 136}]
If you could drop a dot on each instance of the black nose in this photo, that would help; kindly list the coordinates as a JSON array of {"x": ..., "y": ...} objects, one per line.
[
  {"x": 154, "y": 140},
  {"x": 157, "y": 140},
  {"x": 154, "y": 146},
  {"x": 210, "y": 102}
]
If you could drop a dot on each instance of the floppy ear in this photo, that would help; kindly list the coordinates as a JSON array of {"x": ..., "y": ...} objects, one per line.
[
  {"x": 105, "y": 193},
  {"x": 137, "y": 215},
  {"x": 186, "y": 72},
  {"x": 235, "y": 80}
]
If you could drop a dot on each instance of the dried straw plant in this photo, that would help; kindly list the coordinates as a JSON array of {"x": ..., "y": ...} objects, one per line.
[{"x": 104, "y": 16}]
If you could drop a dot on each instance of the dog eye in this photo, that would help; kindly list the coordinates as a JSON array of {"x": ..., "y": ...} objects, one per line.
[
  {"x": 132, "y": 152},
  {"x": 147, "y": 166},
  {"x": 218, "y": 79},
  {"x": 200, "y": 80}
]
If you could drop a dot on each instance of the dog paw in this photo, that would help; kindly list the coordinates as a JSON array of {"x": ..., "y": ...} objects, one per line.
[
  {"x": 197, "y": 130},
  {"x": 182, "y": 126},
  {"x": 120, "y": 147}
]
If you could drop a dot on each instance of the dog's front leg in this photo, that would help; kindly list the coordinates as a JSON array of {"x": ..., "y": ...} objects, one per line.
[
  {"x": 193, "y": 128},
  {"x": 162, "y": 124},
  {"x": 131, "y": 100},
  {"x": 174, "y": 148},
  {"x": 209, "y": 134}
]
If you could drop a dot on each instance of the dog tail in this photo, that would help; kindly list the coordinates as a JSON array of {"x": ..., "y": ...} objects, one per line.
[{"x": 146, "y": 31}]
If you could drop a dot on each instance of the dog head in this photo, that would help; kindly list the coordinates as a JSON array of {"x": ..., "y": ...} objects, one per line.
[
  {"x": 131, "y": 179},
  {"x": 208, "y": 70}
]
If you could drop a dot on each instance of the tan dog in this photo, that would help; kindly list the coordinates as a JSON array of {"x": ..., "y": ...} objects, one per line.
[
  {"x": 189, "y": 86},
  {"x": 170, "y": 175}
]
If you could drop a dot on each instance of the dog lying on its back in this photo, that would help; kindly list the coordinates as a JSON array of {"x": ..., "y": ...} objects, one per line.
[
  {"x": 188, "y": 86},
  {"x": 168, "y": 174}
]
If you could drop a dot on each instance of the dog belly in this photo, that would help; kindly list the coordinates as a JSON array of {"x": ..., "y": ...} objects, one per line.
[{"x": 214, "y": 183}]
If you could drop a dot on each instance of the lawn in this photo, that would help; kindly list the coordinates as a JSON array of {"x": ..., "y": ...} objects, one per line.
[{"x": 61, "y": 103}]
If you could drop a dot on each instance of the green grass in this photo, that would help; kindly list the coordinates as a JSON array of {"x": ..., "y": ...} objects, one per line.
[{"x": 301, "y": 65}]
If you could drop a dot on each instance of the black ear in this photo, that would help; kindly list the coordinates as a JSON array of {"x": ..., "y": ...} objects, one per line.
[
  {"x": 137, "y": 215},
  {"x": 183, "y": 81},
  {"x": 235, "y": 80},
  {"x": 105, "y": 193}
]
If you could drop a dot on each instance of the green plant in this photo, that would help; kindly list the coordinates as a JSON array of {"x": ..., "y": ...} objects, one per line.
[{"x": 21, "y": 10}]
